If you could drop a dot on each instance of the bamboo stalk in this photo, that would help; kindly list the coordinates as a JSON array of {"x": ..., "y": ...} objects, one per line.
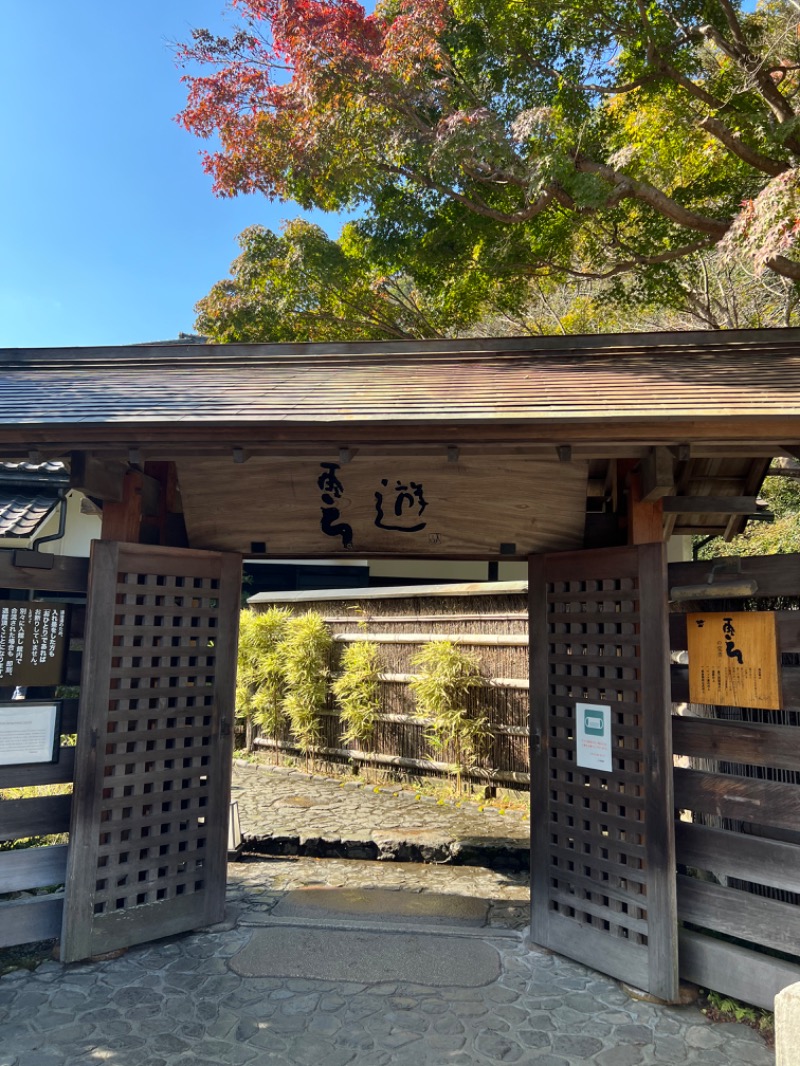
[
  {"x": 488, "y": 682},
  {"x": 476, "y": 772},
  {"x": 471, "y": 639}
]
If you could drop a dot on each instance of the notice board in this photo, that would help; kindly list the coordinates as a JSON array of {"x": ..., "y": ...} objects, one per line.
[
  {"x": 33, "y": 639},
  {"x": 734, "y": 659}
]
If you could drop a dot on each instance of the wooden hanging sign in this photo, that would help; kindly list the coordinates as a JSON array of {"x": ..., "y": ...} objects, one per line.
[
  {"x": 734, "y": 659},
  {"x": 402, "y": 505}
]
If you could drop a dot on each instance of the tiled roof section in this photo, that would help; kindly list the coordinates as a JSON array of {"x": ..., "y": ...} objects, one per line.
[
  {"x": 46, "y": 469},
  {"x": 656, "y": 376},
  {"x": 21, "y": 514}
]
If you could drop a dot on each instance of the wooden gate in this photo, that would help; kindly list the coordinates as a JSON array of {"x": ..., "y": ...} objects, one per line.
[
  {"x": 602, "y": 842},
  {"x": 148, "y": 835}
]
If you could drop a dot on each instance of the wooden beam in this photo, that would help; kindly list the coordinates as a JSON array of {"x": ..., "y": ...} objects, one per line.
[
  {"x": 95, "y": 477},
  {"x": 724, "y": 505},
  {"x": 657, "y": 471}
]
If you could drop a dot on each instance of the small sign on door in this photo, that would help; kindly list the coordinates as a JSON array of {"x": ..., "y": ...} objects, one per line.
[{"x": 593, "y": 736}]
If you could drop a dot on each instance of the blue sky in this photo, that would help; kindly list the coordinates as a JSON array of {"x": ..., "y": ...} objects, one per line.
[{"x": 109, "y": 231}]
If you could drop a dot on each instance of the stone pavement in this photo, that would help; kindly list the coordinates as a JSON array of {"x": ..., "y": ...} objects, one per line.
[
  {"x": 412, "y": 966},
  {"x": 244, "y": 994},
  {"x": 287, "y": 812}
]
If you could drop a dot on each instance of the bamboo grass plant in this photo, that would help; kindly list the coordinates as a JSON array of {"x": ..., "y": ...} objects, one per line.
[
  {"x": 447, "y": 675},
  {"x": 357, "y": 691},
  {"x": 305, "y": 652},
  {"x": 260, "y": 678}
]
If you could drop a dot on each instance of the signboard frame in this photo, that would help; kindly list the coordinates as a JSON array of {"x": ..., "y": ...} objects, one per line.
[{"x": 50, "y": 744}]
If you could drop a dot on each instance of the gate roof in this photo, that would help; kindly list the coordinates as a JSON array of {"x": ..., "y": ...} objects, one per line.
[
  {"x": 724, "y": 403},
  {"x": 744, "y": 385}
]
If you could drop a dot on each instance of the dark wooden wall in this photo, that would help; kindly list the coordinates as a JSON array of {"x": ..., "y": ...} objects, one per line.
[
  {"x": 737, "y": 793},
  {"x": 36, "y": 915}
]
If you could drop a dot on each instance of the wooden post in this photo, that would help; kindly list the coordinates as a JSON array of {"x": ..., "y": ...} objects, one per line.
[
  {"x": 123, "y": 521},
  {"x": 645, "y": 517}
]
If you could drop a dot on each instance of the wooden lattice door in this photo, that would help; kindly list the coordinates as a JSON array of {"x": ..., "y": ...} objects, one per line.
[
  {"x": 602, "y": 840},
  {"x": 148, "y": 839}
]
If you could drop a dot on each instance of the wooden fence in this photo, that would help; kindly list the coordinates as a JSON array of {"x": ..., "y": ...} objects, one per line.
[
  {"x": 489, "y": 622},
  {"x": 26, "y": 913},
  {"x": 737, "y": 790}
]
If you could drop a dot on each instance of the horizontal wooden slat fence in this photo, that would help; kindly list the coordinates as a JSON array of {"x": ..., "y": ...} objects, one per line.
[
  {"x": 737, "y": 790},
  {"x": 27, "y": 913},
  {"x": 492, "y": 627}
]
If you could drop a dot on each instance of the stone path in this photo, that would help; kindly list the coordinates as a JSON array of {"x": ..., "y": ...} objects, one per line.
[
  {"x": 201, "y": 1000},
  {"x": 412, "y": 966},
  {"x": 286, "y": 812}
]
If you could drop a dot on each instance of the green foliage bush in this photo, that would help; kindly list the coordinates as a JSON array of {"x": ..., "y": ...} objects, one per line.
[
  {"x": 446, "y": 676},
  {"x": 357, "y": 690},
  {"x": 782, "y": 496},
  {"x": 283, "y": 672},
  {"x": 305, "y": 653},
  {"x": 260, "y": 678}
]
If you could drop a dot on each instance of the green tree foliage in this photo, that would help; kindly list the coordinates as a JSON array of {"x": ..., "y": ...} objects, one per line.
[
  {"x": 782, "y": 496},
  {"x": 303, "y": 286},
  {"x": 305, "y": 653},
  {"x": 490, "y": 143},
  {"x": 283, "y": 671}
]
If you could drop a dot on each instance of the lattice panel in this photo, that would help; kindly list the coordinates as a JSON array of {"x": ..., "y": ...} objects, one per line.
[
  {"x": 602, "y": 843},
  {"x": 150, "y": 821},
  {"x": 152, "y": 841},
  {"x": 596, "y": 861}
]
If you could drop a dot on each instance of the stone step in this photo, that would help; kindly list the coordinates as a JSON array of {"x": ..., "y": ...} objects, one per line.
[{"x": 393, "y": 905}]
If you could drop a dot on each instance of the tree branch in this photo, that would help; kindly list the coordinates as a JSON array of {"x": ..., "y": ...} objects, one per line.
[
  {"x": 787, "y": 268},
  {"x": 737, "y": 147},
  {"x": 659, "y": 201}
]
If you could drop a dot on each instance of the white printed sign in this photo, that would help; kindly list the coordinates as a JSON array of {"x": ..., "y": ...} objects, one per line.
[
  {"x": 593, "y": 736},
  {"x": 28, "y": 733}
]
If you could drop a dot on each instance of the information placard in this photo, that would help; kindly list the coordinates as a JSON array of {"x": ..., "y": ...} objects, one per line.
[
  {"x": 593, "y": 736},
  {"x": 734, "y": 659},
  {"x": 29, "y": 732},
  {"x": 33, "y": 640}
]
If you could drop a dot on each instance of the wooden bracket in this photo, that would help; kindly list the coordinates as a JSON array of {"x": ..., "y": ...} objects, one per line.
[
  {"x": 658, "y": 474},
  {"x": 97, "y": 478}
]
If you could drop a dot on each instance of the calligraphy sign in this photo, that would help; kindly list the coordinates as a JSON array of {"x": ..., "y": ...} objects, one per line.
[
  {"x": 734, "y": 659},
  {"x": 396, "y": 505},
  {"x": 33, "y": 639}
]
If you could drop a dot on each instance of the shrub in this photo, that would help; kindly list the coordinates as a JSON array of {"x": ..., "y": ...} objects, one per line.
[
  {"x": 305, "y": 654},
  {"x": 357, "y": 690},
  {"x": 446, "y": 676}
]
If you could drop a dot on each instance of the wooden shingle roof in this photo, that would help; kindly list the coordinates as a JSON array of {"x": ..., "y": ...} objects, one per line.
[{"x": 654, "y": 378}]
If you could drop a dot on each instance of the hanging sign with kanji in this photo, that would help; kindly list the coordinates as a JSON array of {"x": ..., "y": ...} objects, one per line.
[
  {"x": 384, "y": 505},
  {"x": 734, "y": 659}
]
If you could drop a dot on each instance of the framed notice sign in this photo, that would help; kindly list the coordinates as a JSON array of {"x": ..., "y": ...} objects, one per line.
[
  {"x": 33, "y": 639},
  {"x": 29, "y": 732},
  {"x": 734, "y": 659},
  {"x": 593, "y": 736}
]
